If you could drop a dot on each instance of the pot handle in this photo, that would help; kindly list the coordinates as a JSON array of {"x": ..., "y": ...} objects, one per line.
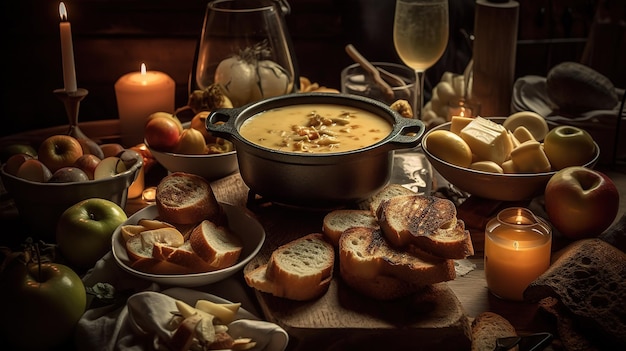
[
  {"x": 222, "y": 121},
  {"x": 409, "y": 132}
]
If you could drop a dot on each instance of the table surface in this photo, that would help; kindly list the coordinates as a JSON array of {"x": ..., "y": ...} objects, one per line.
[{"x": 470, "y": 289}]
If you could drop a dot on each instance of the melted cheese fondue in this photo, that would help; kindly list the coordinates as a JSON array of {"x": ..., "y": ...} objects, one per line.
[{"x": 315, "y": 128}]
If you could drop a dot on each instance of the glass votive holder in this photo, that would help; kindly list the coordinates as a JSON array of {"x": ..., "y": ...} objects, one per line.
[
  {"x": 517, "y": 251},
  {"x": 149, "y": 195},
  {"x": 463, "y": 108}
]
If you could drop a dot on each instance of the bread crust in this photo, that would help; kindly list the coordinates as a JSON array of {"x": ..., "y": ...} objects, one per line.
[
  {"x": 487, "y": 327},
  {"x": 184, "y": 198},
  {"x": 216, "y": 245}
]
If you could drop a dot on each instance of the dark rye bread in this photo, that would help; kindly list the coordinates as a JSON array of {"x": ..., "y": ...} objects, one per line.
[
  {"x": 589, "y": 279},
  {"x": 428, "y": 222},
  {"x": 486, "y": 328}
]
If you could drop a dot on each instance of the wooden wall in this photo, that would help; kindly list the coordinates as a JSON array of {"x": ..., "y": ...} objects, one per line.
[{"x": 113, "y": 37}]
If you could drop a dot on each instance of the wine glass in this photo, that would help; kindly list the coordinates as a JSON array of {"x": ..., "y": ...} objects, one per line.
[
  {"x": 245, "y": 47},
  {"x": 420, "y": 36}
]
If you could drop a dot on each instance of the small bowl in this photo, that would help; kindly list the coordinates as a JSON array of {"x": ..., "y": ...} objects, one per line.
[
  {"x": 495, "y": 186},
  {"x": 211, "y": 167},
  {"x": 240, "y": 222},
  {"x": 41, "y": 204}
]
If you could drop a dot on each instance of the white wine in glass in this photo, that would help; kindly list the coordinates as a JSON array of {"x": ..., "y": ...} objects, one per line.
[{"x": 420, "y": 36}]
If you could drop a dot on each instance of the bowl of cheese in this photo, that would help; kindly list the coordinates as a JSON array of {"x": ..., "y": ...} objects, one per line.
[{"x": 494, "y": 158}]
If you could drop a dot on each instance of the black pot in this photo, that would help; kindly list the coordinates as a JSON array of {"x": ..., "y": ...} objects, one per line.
[{"x": 309, "y": 179}]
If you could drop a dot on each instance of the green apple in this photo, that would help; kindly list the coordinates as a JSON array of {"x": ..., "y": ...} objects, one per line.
[
  {"x": 84, "y": 231},
  {"x": 567, "y": 146},
  {"x": 40, "y": 305},
  {"x": 7, "y": 151}
]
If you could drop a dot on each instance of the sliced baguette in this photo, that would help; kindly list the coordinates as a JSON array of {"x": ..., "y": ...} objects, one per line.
[
  {"x": 386, "y": 193},
  {"x": 216, "y": 245},
  {"x": 184, "y": 198},
  {"x": 376, "y": 269},
  {"x": 299, "y": 270},
  {"x": 183, "y": 255},
  {"x": 337, "y": 221},
  {"x": 487, "y": 327},
  {"x": 428, "y": 222}
]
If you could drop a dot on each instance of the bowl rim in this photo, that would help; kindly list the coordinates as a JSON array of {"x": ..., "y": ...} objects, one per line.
[
  {"x": 129, "y": 172},
  {"x": 428, "y": 154}
]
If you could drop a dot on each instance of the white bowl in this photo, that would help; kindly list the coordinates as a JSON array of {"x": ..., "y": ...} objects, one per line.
[
  {"x": 495, "y": 186},
  {"x": 211, "y": 167},
  {"x": 240, "y": 222}
]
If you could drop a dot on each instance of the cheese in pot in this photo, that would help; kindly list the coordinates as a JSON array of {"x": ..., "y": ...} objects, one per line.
[{"x": 315, "y": 128}]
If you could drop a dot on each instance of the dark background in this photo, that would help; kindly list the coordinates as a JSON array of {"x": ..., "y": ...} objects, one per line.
[{"x": 112, "y": 37}]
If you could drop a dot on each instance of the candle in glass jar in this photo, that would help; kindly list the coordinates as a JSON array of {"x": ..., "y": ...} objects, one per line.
[
  {"x": 517, "y": 251},
  {"x": 67, "y": 51},
  {"x": 138, "y": 95}
]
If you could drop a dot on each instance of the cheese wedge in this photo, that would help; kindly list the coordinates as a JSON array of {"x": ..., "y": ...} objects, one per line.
[
  {"x": 490, "y": 141},
  {"x": 530, "y": 158}
]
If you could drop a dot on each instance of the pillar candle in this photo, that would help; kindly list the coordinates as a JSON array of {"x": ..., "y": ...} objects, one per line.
[
  {"x": 67, "y": 51},
  {"x": 138, "y": 95},
  {"x": 517, "y": 251}
]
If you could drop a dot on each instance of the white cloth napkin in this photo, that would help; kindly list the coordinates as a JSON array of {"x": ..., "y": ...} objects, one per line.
[{"x": 114, "y": 327}]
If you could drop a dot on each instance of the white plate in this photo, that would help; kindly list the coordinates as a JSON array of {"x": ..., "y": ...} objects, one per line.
[
  {"x": 240, "y": 222},
  {"x": 149, "y": 313}
]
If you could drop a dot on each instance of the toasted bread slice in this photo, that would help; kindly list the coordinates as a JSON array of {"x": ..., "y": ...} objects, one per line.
[
  {"x": 428, "y": 222},
  {"x": 337, "y": 221},
  {"x": 386, "y": 193},
  {"x": 299, "y": 270},
  {"x": 216, "y": 245},
  {"x": 487, "y": 327},
  {"x": 184, "y": 198},
  {"x": 373, "y": 267}
]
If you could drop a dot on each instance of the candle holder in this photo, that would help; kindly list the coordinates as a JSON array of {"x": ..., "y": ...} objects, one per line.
[
  {"x": 517, "y": 251},
  {"x": 72, "y": 100}
]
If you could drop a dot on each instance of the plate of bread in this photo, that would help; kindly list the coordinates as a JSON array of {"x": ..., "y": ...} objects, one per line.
[{"x": 187, "y": 238}]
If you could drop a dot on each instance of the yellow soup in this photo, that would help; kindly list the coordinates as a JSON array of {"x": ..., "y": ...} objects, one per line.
[{"x": 315, "y": 128}]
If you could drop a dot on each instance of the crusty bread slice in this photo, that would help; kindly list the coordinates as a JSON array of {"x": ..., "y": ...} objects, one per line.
[
  {"x": 390, "y": 190},
  {"x": 299, "y": 270},
  {"x": 184, "y": 198},
  {"x": 376, "y": 269},
  {"x": 155, "y": 266},
  {"x": 487, "y": 327},
  {"x": 337, "y": 221},
  {"x": 142, "y": 245},
  {"x": 429, "y": 222},
  {"x": 183, "y": 255},
  {"x": 216, "y": 245}
]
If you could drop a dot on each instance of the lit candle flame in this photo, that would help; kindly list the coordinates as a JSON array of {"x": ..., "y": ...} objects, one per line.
[
  {"x": 62, "y": 12},
  {"x": 143, "y": 69}
]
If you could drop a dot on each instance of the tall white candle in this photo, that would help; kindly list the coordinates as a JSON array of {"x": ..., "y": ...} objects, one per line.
[
  {"x": 67, "y": 51},
  {"x": 139, "y": 94}
]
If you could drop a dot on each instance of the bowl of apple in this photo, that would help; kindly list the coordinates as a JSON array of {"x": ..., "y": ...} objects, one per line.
[
  {"x": 189, "y": 147},
  {"x": 61, "y": 173},
  {"x": 506, "y": 158}
]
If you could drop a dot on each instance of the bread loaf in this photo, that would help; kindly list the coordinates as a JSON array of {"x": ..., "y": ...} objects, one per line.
[
  {"x": 376, "y": 269},
  {"x": 589, "y": 279},
  {"x": 428, "y": 222},
  {"x": 486, "y": 328},
  {"x": 299, "y": 270},
  {"x": 184, "y": 198},
  {"x": 576, "y": 88}
]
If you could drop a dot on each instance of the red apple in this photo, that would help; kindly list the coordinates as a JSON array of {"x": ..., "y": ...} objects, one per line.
[
  {"x": 34, "y": 170},
  {"x": 68, "y": 175},
  {"x": 88, "y": 164},
  {"x": 581, "y": 202},
  {"x": 111, "y": 149},
  {"x": 162, "y": 133},
  {"x": 59, "y": 151},
  {"x": 15, "y": 161}
]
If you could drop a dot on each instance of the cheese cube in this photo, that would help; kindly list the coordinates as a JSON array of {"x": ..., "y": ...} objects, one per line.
[
  {"x": 457, "y": 123},
  {"x": 490, "y": 141}
]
